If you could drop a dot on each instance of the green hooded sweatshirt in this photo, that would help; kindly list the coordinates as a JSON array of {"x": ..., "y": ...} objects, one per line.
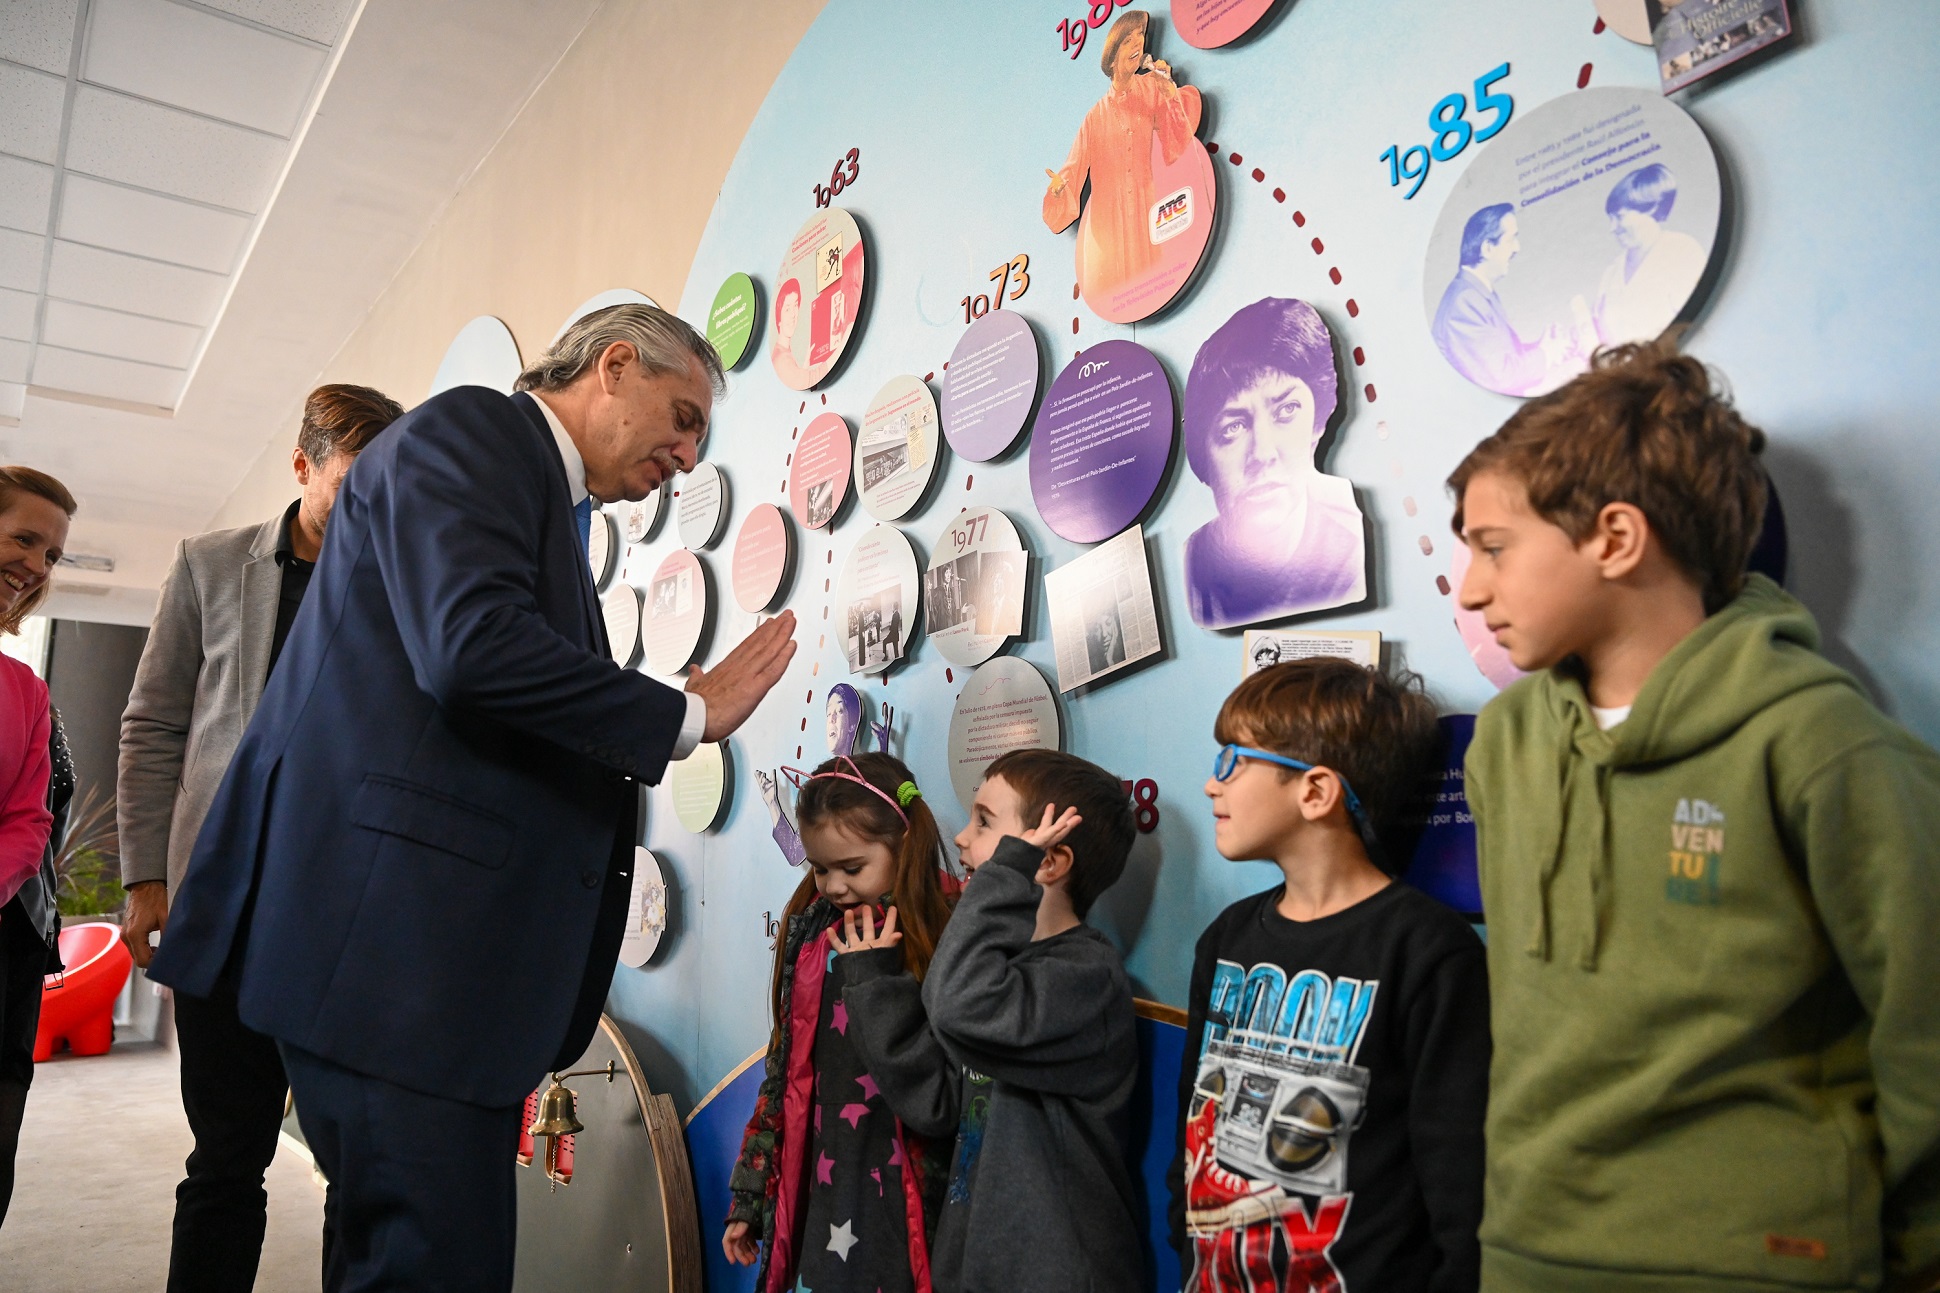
[{"x": 1714, "y": 959}]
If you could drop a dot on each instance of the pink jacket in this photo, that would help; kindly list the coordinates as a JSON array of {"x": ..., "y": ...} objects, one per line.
[{"x": 24, "y": 769}]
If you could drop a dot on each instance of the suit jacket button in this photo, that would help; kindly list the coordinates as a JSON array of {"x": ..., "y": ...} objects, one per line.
[{"x": 591, "y": 879}]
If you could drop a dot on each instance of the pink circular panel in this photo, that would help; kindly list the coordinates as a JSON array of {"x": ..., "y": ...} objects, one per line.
[
  {"x": 676, "y": 611},
  {"x": 818, "y": 475},
  {"x": 760, "y": 558}
]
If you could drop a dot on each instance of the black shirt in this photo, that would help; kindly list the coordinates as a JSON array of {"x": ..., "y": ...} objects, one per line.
[
  {"x": 1363, "y": 1031},
  {"x": 296, "y": 582}
]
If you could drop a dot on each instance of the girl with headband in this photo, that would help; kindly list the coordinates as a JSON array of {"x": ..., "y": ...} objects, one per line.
[{"x": 830, "y": 1191}]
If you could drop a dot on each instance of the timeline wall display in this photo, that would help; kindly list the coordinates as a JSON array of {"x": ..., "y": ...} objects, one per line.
[
  {"x": 482, "y": 354},
  {"x": 602, "y": 555},
  {"x": 676, "y": 613},
  {"x": 875, "y": 599},
  {"x": 763, "y": 551},
  {"x": 620, "y": 609},
  {"x": 1103, "y": 441},
  {"x": 646, "y": 911},
  {"x": 895, "y": 455},
  {"x": 699, "y": 786},
  {"x": 731, "y": 320},
  {"x": 818, "y": 471},
  {"x": 639, "y": 519},
  {"x": 1103, "y": 617},
  {"x": 990, "y": 385},
  {"x": 1005, "y": 705},
  {"x": 700, "y": 505},
  {"x": 1587, "y": 222},
  {"x": 973, "y": 592},
  {"x": 818, "y": 295}
]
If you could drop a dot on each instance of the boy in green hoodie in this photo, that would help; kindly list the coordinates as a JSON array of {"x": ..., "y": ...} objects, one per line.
[{"x": 1708, "y": 868}]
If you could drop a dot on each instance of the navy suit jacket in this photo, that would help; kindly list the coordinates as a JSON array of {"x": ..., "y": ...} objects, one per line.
[{"x": 421, "y": 853}]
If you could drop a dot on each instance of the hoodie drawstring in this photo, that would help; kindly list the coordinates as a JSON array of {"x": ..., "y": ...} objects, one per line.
[
  {"x": 1539, "y": 936},
  {"x": 1599, "y": 871}
]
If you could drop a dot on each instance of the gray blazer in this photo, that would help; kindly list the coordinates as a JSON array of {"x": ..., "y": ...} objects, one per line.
[{"x": 200, "y": 677}]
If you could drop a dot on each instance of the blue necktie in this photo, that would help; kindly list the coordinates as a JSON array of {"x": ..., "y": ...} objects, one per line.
[{"x": 583, "y": 516}]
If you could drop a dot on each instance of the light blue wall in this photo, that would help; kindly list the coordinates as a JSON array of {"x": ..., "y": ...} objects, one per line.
[{"x": 1823, "y": 317}]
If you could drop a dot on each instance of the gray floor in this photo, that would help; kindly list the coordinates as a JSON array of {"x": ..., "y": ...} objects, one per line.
[{"x": 94, "y": 1192}]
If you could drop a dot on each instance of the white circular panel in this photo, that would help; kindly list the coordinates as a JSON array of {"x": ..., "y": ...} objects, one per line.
[
  {"x": 895, "y": 454},
  {"x": 676, "y": 613},
  {"x": 973, "y": 592},
  {"x": 876, "y": 599},
  {"x": 599, "y": 301},
  {"x": 700, "y": 505},
  {"x": 1006, "y": 705},
  {"x": 637, "y": 520},
  {"x": 482, "y": 354},
  {"x": 646, "y": 911},
  {"x": 601, "y": 552},
  {"x": 620, "y": 608},
  {"x": 699, "y": 784}
]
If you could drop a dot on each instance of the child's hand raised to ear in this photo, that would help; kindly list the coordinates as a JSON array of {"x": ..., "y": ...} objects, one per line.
[
  {"x": 852, "y": 939},
  {"x": 1048, "y": 834}
]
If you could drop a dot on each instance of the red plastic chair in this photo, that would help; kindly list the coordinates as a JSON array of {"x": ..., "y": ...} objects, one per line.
[{"x": 77, "y": 1006}]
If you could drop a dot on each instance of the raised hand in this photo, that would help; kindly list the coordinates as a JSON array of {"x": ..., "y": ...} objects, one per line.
[
  {"x": 735, "y": 686},
  {"x": 1048, "y": 834},
  {"x": 859, "y": 937}
]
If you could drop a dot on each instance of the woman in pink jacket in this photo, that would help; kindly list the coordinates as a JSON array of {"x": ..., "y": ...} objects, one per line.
[{"x": 34, "y": 512}]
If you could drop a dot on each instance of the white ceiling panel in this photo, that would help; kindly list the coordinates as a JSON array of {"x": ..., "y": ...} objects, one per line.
[
  {"x": 38, "y": 33},
  {"x": 147, "y": 224},
  {"x": 106, "y": 278},
  {"x": 26, "y": 192},
  {"x": 13, "y": 399},
  {"x": 117, "y": 379},
  {"x": 13, "y": 360},
  {"x": 16, "y": 314},
  {"x": 30, "y": 110},
  {"x": 318, "y": 20},
  {"x": 170, "y": 151},
  {"x": 20, "y": 259},
  {"x": 125, "y": 336},
  {"x": 198, "y": 61}
]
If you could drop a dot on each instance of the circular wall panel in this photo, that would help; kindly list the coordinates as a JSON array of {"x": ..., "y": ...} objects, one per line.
[
  {"x": 601, "y": 551},
  {"x": 676, "y": 613},
  {"x": 817, "y": 296},
  {"x": 1103, "y": 442},
  {"x": 646, "y": 911},
  {"x": 700, "y": 505},
  {"x": 973, "y": 592},
  {"x": 761, "y": 555},
  {"x": 1587, "y": 222},
  {"x": 599, "y": 301},
  {"x": 818, "y": 471},
  {"x": 620, "y": 608},
  {"x": 895, "y": 454},
  {"x": 1208, "y": 24},
  {"x": 990, "y": 385},
  {"x": 876, "y": 599},
  {"x": 730, "y": 323},
  {"x": 1005, "y": 705},
  {"x": 637, "y": 520},
  {"x": 482, "y": 354},
  {"x": 699, "y": 784}
]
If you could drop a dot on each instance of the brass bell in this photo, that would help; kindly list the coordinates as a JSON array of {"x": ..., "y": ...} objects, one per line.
[{"x": 557, "y": 1116}]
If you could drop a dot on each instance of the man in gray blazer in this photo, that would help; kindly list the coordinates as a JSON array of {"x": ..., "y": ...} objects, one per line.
[{"x": 226, "y": 608}]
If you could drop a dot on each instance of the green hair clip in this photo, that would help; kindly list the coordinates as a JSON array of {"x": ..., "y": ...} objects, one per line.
[{"x": 906, "y": 792}]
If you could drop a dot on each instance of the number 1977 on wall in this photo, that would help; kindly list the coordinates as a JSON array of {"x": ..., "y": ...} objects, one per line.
[{"x": 1452, "y": 132}]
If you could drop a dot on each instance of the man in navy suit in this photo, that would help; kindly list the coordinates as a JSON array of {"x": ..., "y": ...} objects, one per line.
[{"x": 415, "y": 873}]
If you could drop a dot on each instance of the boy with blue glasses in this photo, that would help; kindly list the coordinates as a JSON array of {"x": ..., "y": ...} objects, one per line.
[{"x": 1338, "y": 1032}]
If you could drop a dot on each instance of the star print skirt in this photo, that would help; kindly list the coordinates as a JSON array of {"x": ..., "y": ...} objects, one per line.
[{"x": 853, "y": 1238}]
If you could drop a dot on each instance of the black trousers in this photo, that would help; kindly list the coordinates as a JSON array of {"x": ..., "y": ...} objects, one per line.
[
  {"x": 233, "y": 1091},
  {"x": 421, "y": 1187},
  {"x": 23, "y": 963}
]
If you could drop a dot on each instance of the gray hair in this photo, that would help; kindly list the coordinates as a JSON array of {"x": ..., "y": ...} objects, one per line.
[{"x": 663, "y": 342}]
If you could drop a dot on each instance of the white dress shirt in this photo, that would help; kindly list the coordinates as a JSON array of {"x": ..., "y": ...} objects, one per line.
[{"x": 569, "y": 457}]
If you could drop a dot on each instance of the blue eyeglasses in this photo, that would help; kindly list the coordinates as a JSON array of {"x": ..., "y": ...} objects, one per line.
[{"x": 1226, "y": 763}]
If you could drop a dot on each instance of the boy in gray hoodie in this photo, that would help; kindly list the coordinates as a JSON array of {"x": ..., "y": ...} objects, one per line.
[{"x": 1021, "y": 1042}]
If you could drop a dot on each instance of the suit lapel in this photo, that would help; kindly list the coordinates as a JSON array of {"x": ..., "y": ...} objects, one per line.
[
  {"x": 262, "y": 590},
  {"x": 560, "y": 518}
]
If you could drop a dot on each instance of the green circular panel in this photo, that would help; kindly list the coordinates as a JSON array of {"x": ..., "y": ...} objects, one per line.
[{"x": 731, "y": 322}]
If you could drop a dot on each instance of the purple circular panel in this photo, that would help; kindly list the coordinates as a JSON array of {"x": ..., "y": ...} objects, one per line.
[
  {"x": 989, "y": 385},
  {"x": 1103, "y": 441}
]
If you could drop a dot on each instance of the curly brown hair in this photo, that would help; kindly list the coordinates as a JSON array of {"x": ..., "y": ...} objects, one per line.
[
  {"x": 1646, "y": 426},
  {"x": 1377, "y": 732}
]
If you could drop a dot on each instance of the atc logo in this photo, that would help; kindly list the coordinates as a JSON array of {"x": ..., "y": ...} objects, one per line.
[{"x": 1171, "y": 216}]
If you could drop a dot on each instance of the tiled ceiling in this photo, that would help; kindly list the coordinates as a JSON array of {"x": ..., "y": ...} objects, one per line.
[{"x": 141, "y": 143}]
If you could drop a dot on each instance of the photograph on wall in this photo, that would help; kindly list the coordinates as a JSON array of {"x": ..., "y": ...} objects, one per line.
[
  {"x": 817, "y": 296},
  {"x": 874, "y": 636},
  {"x": 1102, "y": 614},
  {"x": 895, "y": 453},
  {"x": 1288, "y": 538},
  {"x": 1150, "y": 211},
  {"x": 1587, "y": 222},
  {"x": 973, "y": 591},
  {"x": 1698, "y": 38},
  {"x": 876, "y": 599},
  {"x": 1268, "y": 647}
]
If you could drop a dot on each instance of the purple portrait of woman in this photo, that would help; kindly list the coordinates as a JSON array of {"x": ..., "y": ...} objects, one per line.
[{"x": 1288, "y": 539}]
